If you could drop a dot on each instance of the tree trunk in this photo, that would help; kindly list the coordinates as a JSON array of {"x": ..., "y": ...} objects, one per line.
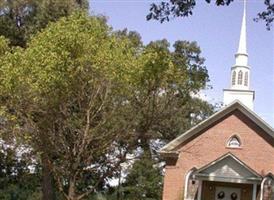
[
  {"x": 71, "y": 191},
  {"x": 48, "y": 192}
]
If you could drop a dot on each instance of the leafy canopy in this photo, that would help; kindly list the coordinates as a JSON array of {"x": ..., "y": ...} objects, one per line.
[
  {"x": 66, "y": 91},
  {"x": 86, "y": 97},
  {"x": 166, "y": 10},
  {"x": 19, "y": 19}
]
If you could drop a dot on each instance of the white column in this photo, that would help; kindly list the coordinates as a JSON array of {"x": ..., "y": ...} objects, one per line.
[
  {"x": 254, "y": 191},
  {"x": 262, "y": 188},
  {"x": 186, "y": 183},
  {"x": 200, "y": 190}
]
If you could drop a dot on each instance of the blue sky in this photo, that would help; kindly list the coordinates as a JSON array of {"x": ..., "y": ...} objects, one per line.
[{"x": 217, "y": 30}]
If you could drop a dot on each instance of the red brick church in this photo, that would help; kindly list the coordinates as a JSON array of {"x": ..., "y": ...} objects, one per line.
[{"x": 230, "y": 155}]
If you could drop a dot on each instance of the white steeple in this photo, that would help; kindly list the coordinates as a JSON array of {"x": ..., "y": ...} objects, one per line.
[
  {"x": 240, "y": 72},
  {"x": 241, "y": 55},
  {"x": 242, "y": 43}
]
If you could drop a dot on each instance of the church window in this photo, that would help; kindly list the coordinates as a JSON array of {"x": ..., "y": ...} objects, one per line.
[
  {"x": 246, "y": 79},
  {"x": 233, "y": 78},
  {"x": 240, "y": 78},
  {"x": 234, "y": 142}
]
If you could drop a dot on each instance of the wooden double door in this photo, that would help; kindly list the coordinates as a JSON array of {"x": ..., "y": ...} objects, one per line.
[{"x": 226, "y": 191}]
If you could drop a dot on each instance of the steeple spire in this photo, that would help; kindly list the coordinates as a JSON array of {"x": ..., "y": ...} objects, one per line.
[
  {"x": 241, "y": 55},
  {"x": 242, "y": 43},
  {"x": 240, "y": 72}
]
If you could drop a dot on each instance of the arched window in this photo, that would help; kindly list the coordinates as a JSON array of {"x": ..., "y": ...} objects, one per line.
[
  {"x": 240, "y": 78},
  {"x": 246, "y": 79},
  {"x": 234, "y": 142},
  {"x": 233, "y": 78}
]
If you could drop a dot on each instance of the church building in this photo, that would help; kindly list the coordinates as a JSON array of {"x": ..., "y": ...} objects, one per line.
[{"x": 230, "y": 155}]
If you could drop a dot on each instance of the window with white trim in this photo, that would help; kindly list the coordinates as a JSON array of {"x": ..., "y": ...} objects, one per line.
[
  {"x": 234, "y": 142},
  {"x": 246, "y": 79},
  {"x": 233, "y": 78},
  {"x": 240, "y": 77}
]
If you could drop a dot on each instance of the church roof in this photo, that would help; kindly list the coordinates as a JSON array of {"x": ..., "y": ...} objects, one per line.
[{"x": 170, "y": 148}]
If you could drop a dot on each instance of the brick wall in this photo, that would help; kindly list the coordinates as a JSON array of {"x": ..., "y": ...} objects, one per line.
[{"x": 257, "y": 151}]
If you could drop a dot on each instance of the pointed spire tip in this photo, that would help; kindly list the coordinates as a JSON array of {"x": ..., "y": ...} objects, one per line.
[{"x": 242, "y": 43}]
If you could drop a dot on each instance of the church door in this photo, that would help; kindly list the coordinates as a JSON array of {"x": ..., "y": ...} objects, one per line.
[{"x": 227, "y": 193}]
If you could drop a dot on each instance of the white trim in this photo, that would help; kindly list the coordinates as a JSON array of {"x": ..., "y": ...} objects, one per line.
[
  {"x": 200, "y": 190},
  {"x": 186, "y": 182},
  {"x": 262, "y": 188},
  {"x": 227, "y": 179},
  {"x": 239, "y": 140},
  {"x": 254, "y": 191}
]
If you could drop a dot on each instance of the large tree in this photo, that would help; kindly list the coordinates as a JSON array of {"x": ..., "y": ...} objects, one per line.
[
  {"x": 163, "y": 101},
  {"x": 166, "y": 10},
  {"x": 67, "y": 92},
  {"x": 84, "y": 97},
  {"x": 19, "y": 19},
  {"x": 164, "y": 104}
]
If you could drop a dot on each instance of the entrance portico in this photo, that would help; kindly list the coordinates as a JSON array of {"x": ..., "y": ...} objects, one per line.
[{"x": 226, "y": 178}]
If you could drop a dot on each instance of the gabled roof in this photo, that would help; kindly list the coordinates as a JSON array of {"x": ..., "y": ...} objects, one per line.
[
  {"x": 170, "y": 148},
  {"x": 228, "y": 168}
]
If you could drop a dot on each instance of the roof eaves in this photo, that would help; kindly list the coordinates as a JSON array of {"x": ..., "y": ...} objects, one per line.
[
  {"x": 257, "y": 119},
  {"x": 169, "y": 154}
]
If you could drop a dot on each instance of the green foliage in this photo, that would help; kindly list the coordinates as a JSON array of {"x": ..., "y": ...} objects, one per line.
[
  {"x": 3, "y": 45},
  {"x": 163, "y": 102},
  {"x": 17, "y": 179},
  {"x": 67, "y": 91},
  {"x": 19, "y": 19},
  {"x": 164, "y": 105},
  {"x": 268, "y": 14},
  {"x": 144, "y": 181},
  {"x": 133, "y": 36},
  {"x": 85, "y": 97},
  {"x": 166, "y": 10}
]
